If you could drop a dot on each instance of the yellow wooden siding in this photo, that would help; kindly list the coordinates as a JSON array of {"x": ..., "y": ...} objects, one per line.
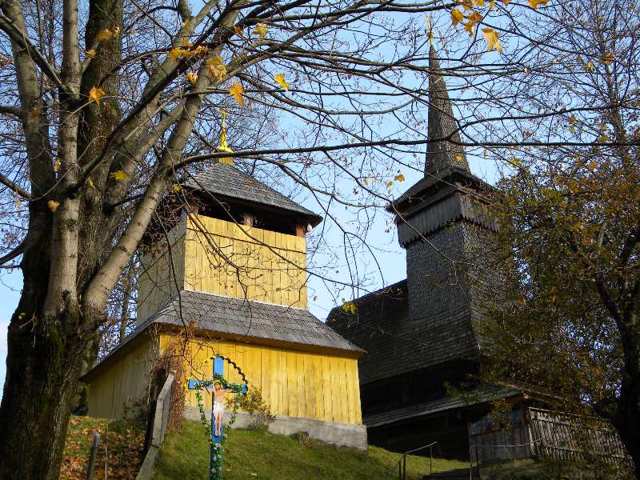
[
  {"x": 225, "y": 258},
  {"x": 123, "y": 382},
  {"x": 293, "y": 383},
  {"x": 157, "y": 283}
]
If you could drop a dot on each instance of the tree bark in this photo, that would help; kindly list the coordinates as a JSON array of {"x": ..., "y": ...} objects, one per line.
[
  {"x": 43, "y": 366},
  {"x": 627, "y": 420}
]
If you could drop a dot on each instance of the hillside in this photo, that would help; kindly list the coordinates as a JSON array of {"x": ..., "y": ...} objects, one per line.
[
  {"x": 119, "y": 454},
  {"x": 256, "y": 454}
]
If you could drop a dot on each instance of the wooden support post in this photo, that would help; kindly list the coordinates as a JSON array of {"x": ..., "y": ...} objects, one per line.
[{"x": 91, "y": 466}]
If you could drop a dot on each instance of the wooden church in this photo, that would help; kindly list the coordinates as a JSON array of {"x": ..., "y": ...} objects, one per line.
[
  {"x": 422, "y": 335},
  {"x": 231, "y": 269}
]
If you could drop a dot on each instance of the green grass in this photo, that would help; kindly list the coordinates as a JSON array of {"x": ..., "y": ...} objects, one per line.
[{"x": 253, "y": 454}]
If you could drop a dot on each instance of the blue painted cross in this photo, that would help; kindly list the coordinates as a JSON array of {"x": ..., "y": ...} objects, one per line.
[{"x": 217, "y": 411}]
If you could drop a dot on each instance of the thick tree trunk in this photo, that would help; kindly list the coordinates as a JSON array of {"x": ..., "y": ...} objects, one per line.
[
  {"x": 43, "y": 366},
  {"x": 628, "y": 416},
  {"x": 42, "y": 374}
]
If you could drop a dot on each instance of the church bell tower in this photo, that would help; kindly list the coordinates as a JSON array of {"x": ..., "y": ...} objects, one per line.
[{"x": 445, "y": 226}]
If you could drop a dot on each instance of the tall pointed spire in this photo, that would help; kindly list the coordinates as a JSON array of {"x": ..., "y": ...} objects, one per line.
[{"x": 441, "y": 154}]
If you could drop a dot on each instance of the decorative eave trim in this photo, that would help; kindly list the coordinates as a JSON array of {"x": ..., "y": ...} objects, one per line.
[{"x": 436, "y": 216}]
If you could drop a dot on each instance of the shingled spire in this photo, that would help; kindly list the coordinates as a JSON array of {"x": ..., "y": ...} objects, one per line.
[{"x": 441, "y": 154}]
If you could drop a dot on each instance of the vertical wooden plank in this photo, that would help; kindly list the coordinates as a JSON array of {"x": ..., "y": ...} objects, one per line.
[
  {"x": 303, "y": 387},
  {"x": 327, "y": 388},
  {"x": 349, "y": 414},
  {"x": 268, "y": 277},
  {"x": 342, "y": 403},
  {"x": 291, "y": 391},
  {"x": 267, "y": 379},
  {"x": 293, "y": 272},
  {"x": 320, "y": 392},
  {"x": 311, "y": 387},
  {"x": 253, "y": 367},
  {"x": 281, "y": 381}
]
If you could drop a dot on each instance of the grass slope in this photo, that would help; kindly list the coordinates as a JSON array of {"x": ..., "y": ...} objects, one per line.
[{"x": 253, "y": 454}]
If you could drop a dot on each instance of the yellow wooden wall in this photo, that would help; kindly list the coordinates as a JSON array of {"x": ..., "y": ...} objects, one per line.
[
  {"x": 224, "y": 258},
  {"x": 123, "y": 381},
  {"x": 245, "y": 262},
  {"x": 158, "y": 282},
  {"x": 293, "y": 383}
]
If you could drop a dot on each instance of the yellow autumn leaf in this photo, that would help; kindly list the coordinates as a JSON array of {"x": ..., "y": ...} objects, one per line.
[
  {"x": 91, "y": 53},
  {"x": 469, "y": 27},
  {"x": 572, "y": 119},
  {"x": 95, "y": 94},
  {"x": 53, "y": 205},
  {"x": 536, "y": 3},
  {"x": 199, "y": 51},
  {"x": 608, "y": 58},
  {"x": 90, "y": 183},
  {"x": 238, "y": 30},
  {"x": 475, "y": 17},
  {"x": 456, "y": 16},
  {"x": 237, "y": 92},
  {"x": 399, "y": 178},
  {"x": 105, "y": 35},
  {"x": 491, "y": 37},
  {"x": 516, "y": 162},
  {"x": 506, "y": 2},
  {"x": 261, "y": 29},
  {"x": 349, "y": 307},
  {"x": 478, "y": 3},
  {"x": 56, "y": 165},
  {"x": 466, "y": 4},
  {"x": 119, "y": 175},
  {"x": 217, "y": 68},
  {"x": 176, "y": 188},
  {"x": 192, "y": 77},
  {"x": 281, "y": 81},
  {"x": 179, "y": 52},
  {"x": 492, "y": 4}
]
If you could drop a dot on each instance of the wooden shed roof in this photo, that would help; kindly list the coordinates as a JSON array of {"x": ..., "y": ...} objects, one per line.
[
  {"x": 245, "y": 318},
  {"x": 480, "y": 394},
  {"x": 228, "y": 182}
]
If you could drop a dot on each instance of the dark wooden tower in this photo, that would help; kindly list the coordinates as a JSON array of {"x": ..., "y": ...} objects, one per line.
[{"x": 422, "y": 334}]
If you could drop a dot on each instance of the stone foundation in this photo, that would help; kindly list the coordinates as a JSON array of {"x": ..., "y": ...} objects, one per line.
[{"x": 339, "y": 434}]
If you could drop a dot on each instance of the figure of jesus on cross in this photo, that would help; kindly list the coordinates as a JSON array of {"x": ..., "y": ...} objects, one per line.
[{"x": 218, "y": 397}]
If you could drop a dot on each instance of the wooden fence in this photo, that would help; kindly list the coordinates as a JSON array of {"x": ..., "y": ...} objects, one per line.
[
  {"x": 566, "y": 437},
  {"x": 159, "y": 428}
]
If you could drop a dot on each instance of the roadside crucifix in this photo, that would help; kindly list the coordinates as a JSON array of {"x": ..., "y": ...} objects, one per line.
[{"x": 219, "y": 387}]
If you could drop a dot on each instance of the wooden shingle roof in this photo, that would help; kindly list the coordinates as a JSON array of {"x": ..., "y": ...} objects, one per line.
[
  {"x": 228, "y": 182},
  {"x": 258, "y": 320},
  {"x": 395, "y": 344},
  {"x": 230, "y": 318},
  {"x": 480, "y": 394}
]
